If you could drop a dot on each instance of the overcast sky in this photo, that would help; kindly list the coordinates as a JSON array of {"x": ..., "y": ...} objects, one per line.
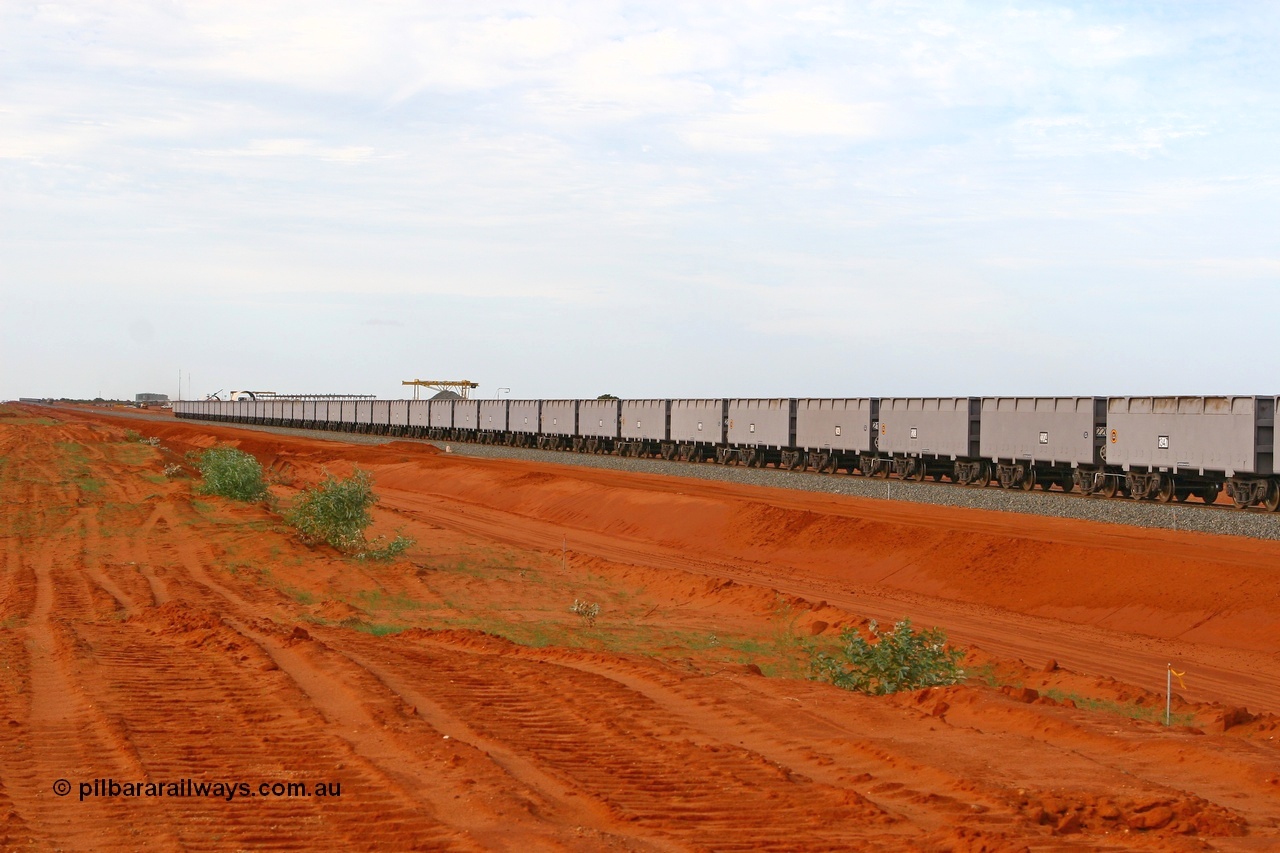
[{"x": 650, "y": 200}]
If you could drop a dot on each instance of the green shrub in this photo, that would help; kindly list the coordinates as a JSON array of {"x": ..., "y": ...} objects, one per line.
[
  {"x": 231, "y": 473},
  {"x": 336, "y": 512},
  {"x": 899, "y": 659}
]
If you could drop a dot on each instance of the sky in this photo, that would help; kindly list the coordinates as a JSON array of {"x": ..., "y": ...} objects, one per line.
[{"x": 561, "y": 199}]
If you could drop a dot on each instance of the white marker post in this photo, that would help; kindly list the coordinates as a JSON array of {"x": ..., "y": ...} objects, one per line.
[{"x": 1169, "y": 675}]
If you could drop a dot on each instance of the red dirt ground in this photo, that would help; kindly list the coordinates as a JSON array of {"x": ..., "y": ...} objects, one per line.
[{"x": 150, "y": 634}]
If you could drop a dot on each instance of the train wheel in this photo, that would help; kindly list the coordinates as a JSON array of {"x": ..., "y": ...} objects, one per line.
[
  {"x": 1068, "y": 483},
  {"x": 1047, "y": 483},
  {"x": 1028, "y": 480},
  {"x": 1241, "y": 503},
  {"x": 1272, "y": 500},
  {"x": 1109, "y": 487},
  {"x": 1182, "y": 496},
  {"x": 1166, "y": 491},
  {"x": 1209, "y": 494}
]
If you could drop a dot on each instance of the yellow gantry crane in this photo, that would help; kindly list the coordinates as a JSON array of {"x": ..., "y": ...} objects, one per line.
[{"x": 461, "y": 386}]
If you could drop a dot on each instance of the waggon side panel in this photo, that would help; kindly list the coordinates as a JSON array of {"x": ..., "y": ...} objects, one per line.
[
  {"x": 559, "y": 417},
  {"x": 1229, "y": 434},
  {"x": 523, "y": 416},
  {"x": 929, "y": 426},
  {"x": 698, "y": 421},
  {"x": 645, "y": 420},
  {"x": 493, "y": 415},
  {"x": 760, "y": 422},
  {"x": 1056, "y": 430},
  {"x": 836, "y": 424},
  {"x": 420, "y": 413},
  {"x": 466, "y": 414},
  {"x": 598, "y": 418},
  {"x": 440, "y": 413}
]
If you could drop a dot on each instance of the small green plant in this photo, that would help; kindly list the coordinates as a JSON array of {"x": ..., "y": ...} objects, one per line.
[
  {"x": 793, "y": 650},
  {"x": 231, "y": 473},
  {"x": 898, "y": 659},
  {"x": 132, "y": 435},
  {"x": 1132, "y": 710},
  {"x": 587, "y": 611},
  {"x": 336, "y": 512}
]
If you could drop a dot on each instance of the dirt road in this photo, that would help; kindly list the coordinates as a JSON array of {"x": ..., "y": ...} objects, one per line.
[{"x": 451, "y": 700}]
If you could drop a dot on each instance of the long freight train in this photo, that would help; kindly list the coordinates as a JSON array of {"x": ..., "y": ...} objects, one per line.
[{"x": 1158, "y": 448}]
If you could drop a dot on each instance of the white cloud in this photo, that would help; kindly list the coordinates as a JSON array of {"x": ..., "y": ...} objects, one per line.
[
  {"x": 297, "y": 148},
  {"x": 773, "y": 167},
  {"x": 1080, "y": 134}
]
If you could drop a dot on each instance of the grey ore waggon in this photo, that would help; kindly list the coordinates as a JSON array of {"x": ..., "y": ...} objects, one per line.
[{"x": 1157, "y": 448}]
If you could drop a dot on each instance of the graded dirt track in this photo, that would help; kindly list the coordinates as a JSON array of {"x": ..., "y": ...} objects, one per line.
[{"x": 150, "y": 634}]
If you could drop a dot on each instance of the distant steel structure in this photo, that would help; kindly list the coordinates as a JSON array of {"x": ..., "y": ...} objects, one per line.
[
  {"x": 462, "y": 385},
  {"x": 275, "y": 395},
  {"x": 150, "y": 398}
]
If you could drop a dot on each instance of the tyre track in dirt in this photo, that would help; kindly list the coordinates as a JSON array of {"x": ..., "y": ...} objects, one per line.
[
  {"x": 1237, "y": 677},
  {"x": 569, "y": 801},
  {"x": 548, "y": 748},
  {"x": 103, "y": 697},
  {"x": 64, "y": 732},
  {"x": 743, "y": 714},
  {"x": 746, "y": 710},
  {"x": 363, "y": 718},
  {"x": 922, "y": 777},
  {"x": 90, "y": 561},
  {"x": 625, "y": 751}
]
